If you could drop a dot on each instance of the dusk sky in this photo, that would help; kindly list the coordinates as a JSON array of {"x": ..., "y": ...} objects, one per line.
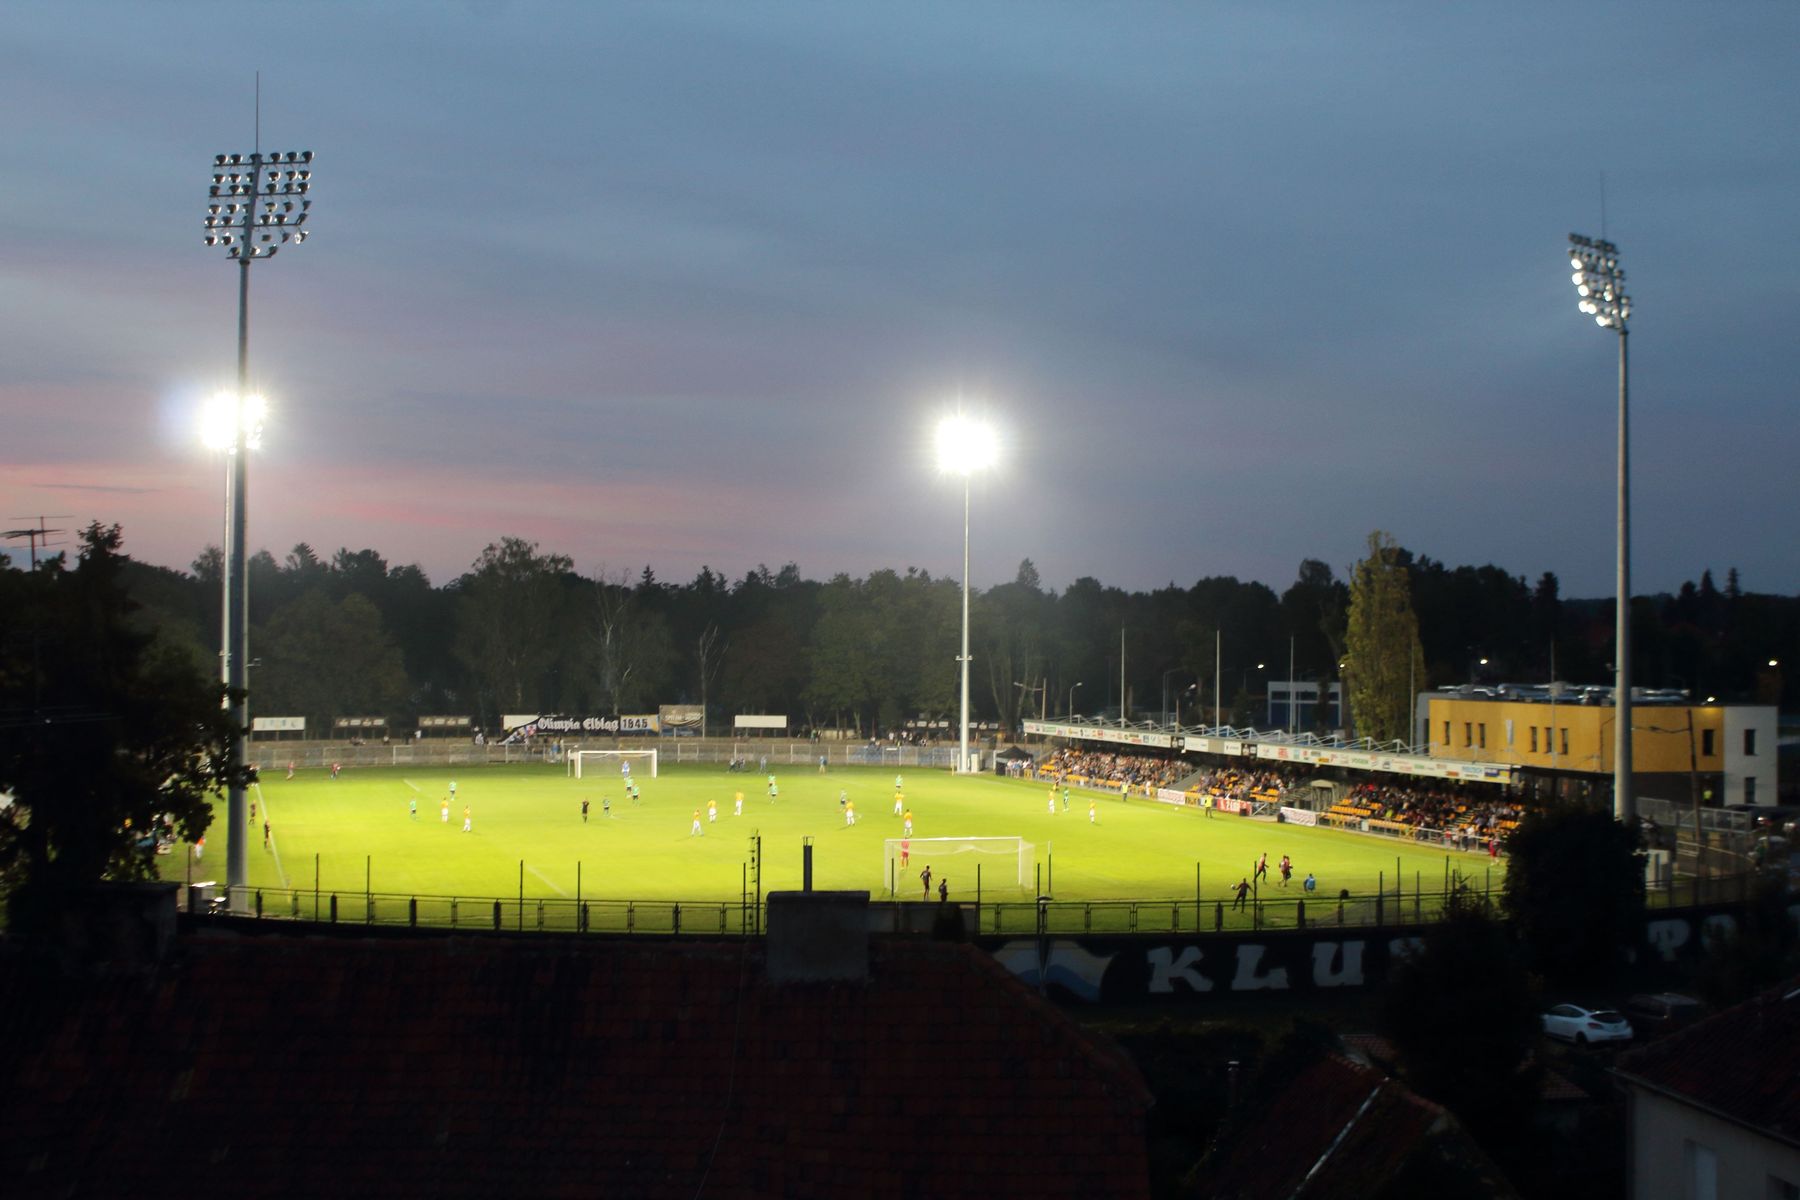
[{"x": 691, "y": 283}]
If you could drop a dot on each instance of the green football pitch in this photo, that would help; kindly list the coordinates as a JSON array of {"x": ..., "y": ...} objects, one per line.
[{"x": 357, "y": 831}]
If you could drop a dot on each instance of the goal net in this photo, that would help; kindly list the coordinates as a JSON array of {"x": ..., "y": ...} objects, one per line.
[
  {"x": 1002, "y": 859},
  {"x": 607, "y": 762}
]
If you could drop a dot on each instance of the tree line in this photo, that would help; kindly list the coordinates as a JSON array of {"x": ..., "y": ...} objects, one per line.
[{"x": 523, "y": 631}]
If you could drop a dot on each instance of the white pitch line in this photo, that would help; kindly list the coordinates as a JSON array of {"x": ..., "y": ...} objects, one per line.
[
  {"x": 547, "y": 880},
  {"x": 270, "y": 818},
  {"x": 415, "y": 787}
]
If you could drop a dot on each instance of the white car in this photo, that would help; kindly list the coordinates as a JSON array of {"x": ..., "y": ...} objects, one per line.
[{"x": 1573, "y": 1023}]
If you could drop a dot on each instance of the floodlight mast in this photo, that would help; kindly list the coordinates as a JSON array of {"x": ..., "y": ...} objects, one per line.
[
  {"x": 964, "y": 446},
  {"x": 1600, "y": 283},
  {"x": 257, "y": 203}
]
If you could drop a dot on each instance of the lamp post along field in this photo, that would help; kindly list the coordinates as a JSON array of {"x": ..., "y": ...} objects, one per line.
[
  {"x": 964, "y": 446},
  {"x": 1600, "y": 283},
  {"x": 257, "y": 204}
]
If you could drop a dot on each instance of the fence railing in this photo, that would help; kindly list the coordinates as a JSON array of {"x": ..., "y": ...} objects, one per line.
[{"x": 1289, "y": 909}]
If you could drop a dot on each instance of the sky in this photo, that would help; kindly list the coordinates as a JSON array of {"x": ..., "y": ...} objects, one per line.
[{"x": 684, "y": 284}]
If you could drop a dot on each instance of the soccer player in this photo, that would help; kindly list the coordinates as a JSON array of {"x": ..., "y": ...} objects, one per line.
[
  {"x": 925, "y": 878},
  {"x": 899, "y": 803},
  {"x": 821, "y": 764},
  {"x": 1124, "y": 791},
  {"x": 335, "y": 768},
  {"x": 584, "y": 810},
  {"x": 1093, "y": 811},
  {"x": 1240, "y": 891},
  {"x": 773, "y": 790},
  {"x": 899, "y": 784},
  {"x": 290, "y": 768},
  {"x": 712, "y": 812},
  {"x": 737, "y": 805},
  {"x": 849, "y": 814},
  {"x": 444, "y": 811},
  {"x": 200, "y": 849},
  {"x": 265, "y": 835},
  {"x": 905, "y": 852},
  {"x": 907, "y": 827},
  {"x": 625, "y": 769},
  {"x": 453, "y": 789},
  {"x": 606, "y": 806},
  {"x": 631, "y": 785},
  {"x": 468, "y": 820},
  {"x": 1053, "y": 802},
  {"x": 697, "y": 831},
  {"x": 412, "y": 808},
  {"x": 1262, "y": 866},
  {"x": 1065, "y": 799},
  {"x": 1309, "y": 883},
  {"x": 1287, "y": 869}
]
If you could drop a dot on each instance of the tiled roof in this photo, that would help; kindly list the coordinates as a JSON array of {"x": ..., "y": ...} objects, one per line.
[
  {"x": 308, "y": 1066},
  {"x": 1741, "y": 1063},
  {"x": 1333, "y": 1127}
]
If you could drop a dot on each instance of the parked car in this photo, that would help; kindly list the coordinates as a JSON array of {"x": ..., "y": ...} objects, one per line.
[
  {"x": 1573, "y": 1023},
  {"x": 1654, "y": 1014}
]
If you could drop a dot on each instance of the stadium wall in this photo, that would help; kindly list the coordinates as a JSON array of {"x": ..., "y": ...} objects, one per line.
[{"x": 1126, "y": 968}]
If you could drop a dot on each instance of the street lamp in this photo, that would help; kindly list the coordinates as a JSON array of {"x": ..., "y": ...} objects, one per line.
[
  {"x": 1070, "y": 711},
  {"x": 964, "y": 446},
  {"x": 1600, "y": 283},
  {"x": 257, "y": 204},
  {"x": 1179, "y": 693}
]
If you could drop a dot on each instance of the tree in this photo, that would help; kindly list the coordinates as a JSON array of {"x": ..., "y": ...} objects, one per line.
[
  {"x": 632, "y": 650},
  {"x": 1382, "y": 644},
  {"x": 321, "y": 660},
  {"x": 1575, "y": 892},
  {"x": 102, "y": 731},
  {"x": 1466, "y": 975},
  {"x": 510, "y": 621}
]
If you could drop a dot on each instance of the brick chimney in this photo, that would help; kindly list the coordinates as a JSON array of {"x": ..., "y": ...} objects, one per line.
[{"x": 818, "y": 937}]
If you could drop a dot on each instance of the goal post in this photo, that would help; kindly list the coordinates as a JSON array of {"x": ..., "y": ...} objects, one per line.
[
  {"x": 957, "y": 856},
  {"x": 587, "y": 762}
]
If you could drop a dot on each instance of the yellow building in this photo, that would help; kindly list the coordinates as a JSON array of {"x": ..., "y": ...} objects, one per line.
[{"x": 1563, "y": 738}]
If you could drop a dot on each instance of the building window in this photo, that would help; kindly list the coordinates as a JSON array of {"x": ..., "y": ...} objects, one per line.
[
  {"x": 1534, "y": 739},
  {"x": 1446, "y": 733},
  {"x": 1706, "y": 742},
  {"x": 1565, "y": 741},
  {"x": 1700, "y": 1166},
  {"x": 1481, "y": 731},
  {"x": 1749, "y": 789},
  {"x": 1750, "y": 743},
  {"x": 1468, "y": 734}
]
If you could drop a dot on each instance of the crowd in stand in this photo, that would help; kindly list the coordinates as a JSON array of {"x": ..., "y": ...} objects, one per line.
[
  {"x": 1471, "y": 817},
  {"x": 1468, "y": 815},
  {"x": 1101, "y": 767},
  {"x": 1234, "y": 784}
]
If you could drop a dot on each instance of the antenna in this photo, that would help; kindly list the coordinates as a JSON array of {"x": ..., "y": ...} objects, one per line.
[
  {"x": 36, "y": 533},
  {"x": 258, "y": 127},
  {"x": 1603, "y": 206}
]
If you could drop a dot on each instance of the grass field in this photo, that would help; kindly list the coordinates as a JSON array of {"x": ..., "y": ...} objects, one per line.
[{"x": 532, "y": 814}]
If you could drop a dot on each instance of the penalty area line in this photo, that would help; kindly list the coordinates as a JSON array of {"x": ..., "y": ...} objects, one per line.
[{"x": 547, "y": 880}]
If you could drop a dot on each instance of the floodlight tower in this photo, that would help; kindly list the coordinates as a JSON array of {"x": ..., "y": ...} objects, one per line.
[
  {"x": 257, "y": 203},
  {"x": 1600, "y": 282},
  {"x": 964, "y": 446}
]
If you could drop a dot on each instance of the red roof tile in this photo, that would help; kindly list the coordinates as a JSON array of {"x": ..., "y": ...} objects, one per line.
[
  {"x": 1741, "y": 1063},
  {"x": 310, "y": 1066}
]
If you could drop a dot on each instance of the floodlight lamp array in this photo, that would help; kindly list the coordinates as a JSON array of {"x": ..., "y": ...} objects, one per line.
[
  {"x": 1599, "y": 281},
  {"x": 258, "y": 202}
]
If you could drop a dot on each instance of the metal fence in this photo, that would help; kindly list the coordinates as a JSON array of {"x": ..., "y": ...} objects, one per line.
[{"x": 730, "y": 918}]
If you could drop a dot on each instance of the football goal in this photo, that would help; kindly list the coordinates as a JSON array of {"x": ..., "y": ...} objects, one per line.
[
  {"x": 588, "y": 762},
  {"x": 1003, "y": 860}
]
